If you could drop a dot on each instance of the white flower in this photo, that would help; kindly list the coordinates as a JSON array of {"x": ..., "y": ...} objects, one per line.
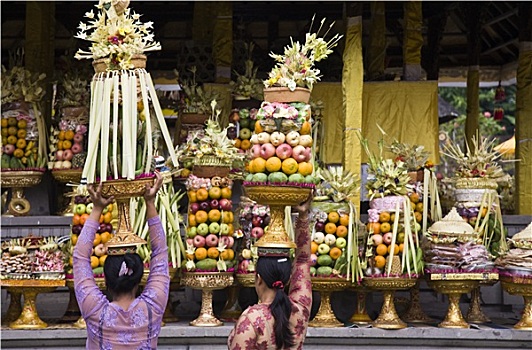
[{"x": 89, "y": 14}]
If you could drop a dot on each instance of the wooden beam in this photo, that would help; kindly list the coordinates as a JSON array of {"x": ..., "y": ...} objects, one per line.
[
  {"x": 500, "y": 17},
  {"x": 500, "y": 46},
  {"x": 431, "y": 54}
]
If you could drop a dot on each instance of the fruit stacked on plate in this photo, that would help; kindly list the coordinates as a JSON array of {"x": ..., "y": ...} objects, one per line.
[
  {"x": 19, "y": 140},
  {"x": 209, "y": 244}
]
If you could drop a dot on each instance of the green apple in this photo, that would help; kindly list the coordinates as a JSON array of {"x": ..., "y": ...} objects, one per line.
[
  {"x": 88, "y": 208},
  {"x": 224, "y": 229},
  {"x": 323, "y": 248},
  {"x": 202, "y": 229},
  {"x": 341, "y": 242},
  {"x": 214, "y": 227},
  {"x": 192, "y": 232},
  {"x": 80, "y": 209}
]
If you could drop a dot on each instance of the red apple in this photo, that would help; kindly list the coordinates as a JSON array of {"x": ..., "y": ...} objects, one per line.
[
  {"x": 267, "y": 150},
  {"x": 225, "y": 204},
  {"x": 283, "y": 151},
  {"x": 215, "y": 204},
  {"x": 199, "y": 241},
  {"x": 257, "y": 232},
  {"x": 194, "y": 207},
  {"x": 211, "y": 240},
  {"x": 255, "y": 150},
  {"x": 78, "y": 138},
  {"x": 205, "y": 206},
  {"x": 68, "y": 154},
  {"x": 77, "y": 148},
  {"x": 256, "y": 221},
  {"x": 299, "y": 154},
  {"x": 59, "y": 155}
]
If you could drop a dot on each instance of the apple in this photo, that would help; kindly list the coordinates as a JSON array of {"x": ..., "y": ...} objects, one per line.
[
  {"x": 88, "y": 208},
  {"x": 9, "y": 149},
  {"x": 257, "y": 232},
  {"x": 245, "y": 134},
  {"x": 205, "y": 206},
  {"x": 246, "y": 253},
  {"x": 108, "y": 227},
  {"x": 267, "y": 150},
  {"x": 199, "y": 241},
  {"x": 377, "y": 239},
  {"x": 190, "y": 242},
  {"x": 255, "y": 151},
  {"x": 100, "y": 250},
  {"x": 76, "y": 229},
  {"x": 329, "y": 239},
  {"x": 292, "y": 138},
  {"x": 192, "y": 232},
  {"x": 313, "y": 259},
  {"x": 80, "y": 209},
  {"x": 224, "y": 229},
  {"x": 202, "y": 229},
  {"x": 228, "y": 241},
  {"x": 341, "y": 242},
  {"x": 320, "y": 226},
  {"x": 283, "y": 151},
  {"x": 194, "y": 207},
  {"x": 277, "y": 138},
  {"x": 215, "y": 204},
  {"x": 66, "y": 164},
  {"x": 102, "y": 227},
  {"x": 67, "y": 155},
  {"x": 77, "y": 148},
  {"x": 59, "y": 155},
  {"x": 319, "y": 237},
  {"x": 78, "y": 138},
  {"x": 387, "y": 238},
  {"x": 214, "y": 227},
  {"x": 243, "y": 265},
  {"x": 263, "y": 138},
  {"x": 299, "y": 153},
  {"x": 211, "y": 240},
  {"x": 226, "y": 204},
  {"x": 323, "y": 249},
  {"x": 256, "y": 221},
  {"x": 305, "y": 140}
]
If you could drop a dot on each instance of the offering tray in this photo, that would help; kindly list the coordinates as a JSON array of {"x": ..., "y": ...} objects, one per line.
[
  {"x": 207, "y": 282},
  {"x": 277, "y": 197},
  {"x": 325, "y": 286},
  {"x": 67, "y": 175},
  {"x": 520, "y": 285},
  {"x": 388, "y": 318},
  {"x": 17, "y": 181}
]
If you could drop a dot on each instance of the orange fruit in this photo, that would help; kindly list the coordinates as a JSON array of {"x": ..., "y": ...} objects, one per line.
[
  {"x": 213, "y": 253},
  {"x": 22, "y": 124},
  {"x": 74, "y": 239},
  {"x": 238, "y": 143},
  {"x": 21, "y": 143},
  {"x": 192, "y": 196},
  {"x": 102, "y": 259},
  {"x": 231, "y": 227},
  {"x": 305, "y": 168},
  {"x": 227, "y": 217},
  {"x": 245, "y": 145},
  {"x": 382, "y": 249},
  {"x": 418, "y": 216},
  {"x": 401, "y": 247},
  {"x": 61, "y": 135},
  {"x": 374, "y": 227},
  {"x": 289, "y": 166},
  {"x": 200, "y": 253},
  {"x": 97, "y": 240},
  {"x": 12, "y": 131},
  {"x": 228, "y": 254},
  {"x": 385, "y": 227},
  {"x": 258, "y": 127},
  {"x": 419, "y": 207},
  {"x": 202, "y": 194},
  {"x": 341, "y": 231},
  {"x": 330, "y": 228},
  {"x": 392, "y": 218},
  {"x": 100, "y": 220},
  {"x": 83, "y": 218},
  {"x": 273, "y": 164},
  {"x": 215, "y": 192},
  {"x": 226, "y": 193},
  {"x": 107, "y": 217},
  {"x": 333, "y": 217},
  {"x": 75, "y": 219},
  {"x": 95, "y": 262},
  {"x": 258, "y": 165},
  {"x": 21, "y": 133},
  {"x": 384, "y": 216},
  {"x": 306, "y": 128},
  {"x": 335, "y": 253},
  {"x": 395, "y": 249},
  {"x": 105, "y": 237},
  {"x": 313, "y": 247},
  {"x": 67, "y": 144},
  {"x": 380, "y": 261},
  {"x": 192, "y": 220},
  {"x": 201, "y": 216},
  {"x": 69, "y": 135},
  {"x": 414, "y": 197},
  {"x": 344, "y": 219},
  {"x": 214, "y": 215}
]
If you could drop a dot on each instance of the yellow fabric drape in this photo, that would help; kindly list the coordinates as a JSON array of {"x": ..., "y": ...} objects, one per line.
[
  {"x": 523, "y": 131},
  {"x": 407, "y": 111},
  {"x": 352, "y": 85},
  {"x": 224, "y": 100},
  {"x": 471, "y": 124},
  {"x": 413, "y": 38},
  {"x": 376, "y": 51},
  {"x": 222, "y": 40},
  {"x": 332, "y": 122}
]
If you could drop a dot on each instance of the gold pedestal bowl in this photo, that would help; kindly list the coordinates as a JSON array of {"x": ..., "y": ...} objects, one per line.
[
  {"x": 388, "y": 317},
  {"x": 207, "y": 282},
  {"x": 415, "y": 313},
  {"x": 523, "y": 287},
  {"x": 17, "y": 181},
  {"x": 246, "y": 280},
  {"x": 475, "y": 313},
  {"x": 360, "y": 316},
  {"x": 453, "y": 289},
  {"x": 325, "y": 286},
  {"x": 67, "y": 176},
  {"x": 277, "y": 197}
]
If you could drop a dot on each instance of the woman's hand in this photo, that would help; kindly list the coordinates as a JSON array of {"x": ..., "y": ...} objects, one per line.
[
  {"x": 151, "y": 190},
  {"x": 98, "y": 200}
]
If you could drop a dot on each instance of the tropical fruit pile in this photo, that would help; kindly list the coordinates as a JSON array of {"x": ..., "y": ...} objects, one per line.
[
  {"x": 82, "y": 208},
  {"x": 243, "y": 119},
  {"x": 19, "y": 140},
  {"x": 329, "y": 242},
  {"x": 209, "y": 243},
  {"x": 254, "y": 220},
  {"x": 281, "y": 145},
  {"x": 68, "y": 146}
]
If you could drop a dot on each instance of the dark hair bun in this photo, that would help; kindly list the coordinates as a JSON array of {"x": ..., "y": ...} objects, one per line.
[{"x": 126, "y": 283}]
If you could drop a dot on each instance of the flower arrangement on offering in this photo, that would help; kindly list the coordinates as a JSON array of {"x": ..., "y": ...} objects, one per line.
[
  {"x": 415, "y": 157},
  {"x": 247, "y": 85},
  {"x": 22, "y": 124},
  {"x": 282, "y": 141},
  {"x": 123, "y": 136},
  {"x": 335, "y": 240},
  {"x": 296, "y": 66},
  {"x": 253, "y": 219},
  {"x": 117, "y": 35},
  {"x": 209, "y": 243},
  {"x": 195, "y": 99}
]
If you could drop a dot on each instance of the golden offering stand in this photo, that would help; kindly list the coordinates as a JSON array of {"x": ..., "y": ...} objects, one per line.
[
  {"x": 520, "y": 286},
  {"x": 246, "y": 280},
  {"x": 80, "y": 323},
  {"x": 207, "y": 282},
  {"x": 277, "y": 197},
  {"x": 232, "y": 309},
  {"x": 14, "y": 309},
  {"x": 67, "y": 176},
  {"x": 30, "y": 288},
  {"x": 475, "y": 313},
  {"x": 415, "y": 313},
  {"x": 325, "y": 286},
  {"x": 17, "y": 181},
  {"x": 360, "y": 316},
  {"x": 388, "y": 317},
  {"x": 454, "y": 285}
]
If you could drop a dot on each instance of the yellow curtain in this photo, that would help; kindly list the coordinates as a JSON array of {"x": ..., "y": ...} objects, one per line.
[
  {"x": 407, "y": 111},
  {"x": 222, "y": 40},
  {"x": 413, "y": 38},
  {"x": 352, "y": 85},
  {"x": 523, "y": 131},
  {"x": 332, "y": 122},
  {"x": 471, "y": 124}
]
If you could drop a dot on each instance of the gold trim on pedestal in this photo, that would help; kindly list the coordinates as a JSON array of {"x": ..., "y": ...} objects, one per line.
[
  {"x": 360, "y": 316},
  {"x": 415, "y": 313},
  {"x": 17, "y": 181},
  {"x": 515, "y": 287},
  {"x": 277, "y": 197},
  {"x": 388, "y": 317},
  {"x": 453, "y": 289},
  {"x": 207, "y": 282},
  {"x": 14, "y": 309},
  {"x": 246, "y": 280},
  {"x": 475, "y": 313},
  {"x": 67, "y": 175},
  {"x": 325, "y": 286}
]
